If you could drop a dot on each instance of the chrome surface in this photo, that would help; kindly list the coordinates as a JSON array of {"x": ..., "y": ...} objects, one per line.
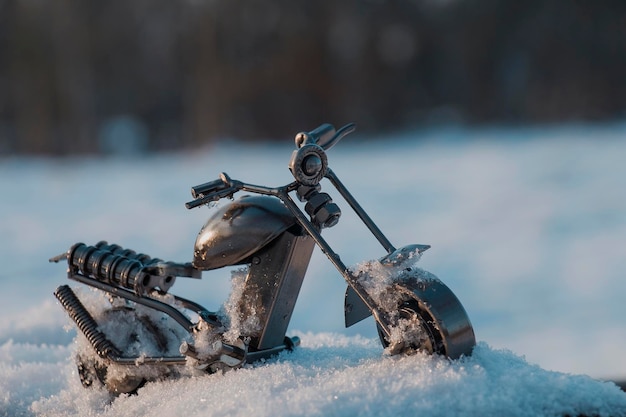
[
  {"x": 239, "y": 229},
  {"x": 275, "y": 237},
  {"x": 444, "y": 311},
  {"x": 404, "y": 254}
]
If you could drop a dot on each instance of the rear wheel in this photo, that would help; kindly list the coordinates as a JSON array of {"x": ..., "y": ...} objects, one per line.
[
  {"x": 131, "y": 333},
  {"x": 92, "y": 374}
]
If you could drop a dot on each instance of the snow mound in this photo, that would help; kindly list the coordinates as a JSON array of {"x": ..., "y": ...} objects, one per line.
[
  {"x": 523, "y": 215},
  {"x": 329, "y": 374}
]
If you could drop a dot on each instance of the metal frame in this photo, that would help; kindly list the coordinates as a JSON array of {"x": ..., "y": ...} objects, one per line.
[
  {"x": 233, "y": 186},
  {"x": 275, "y": 274}
]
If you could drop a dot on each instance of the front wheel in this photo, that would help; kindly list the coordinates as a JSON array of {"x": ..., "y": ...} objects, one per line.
[
  {"x": 413, "y": 331},
  {"x": 427, "y": 316}
]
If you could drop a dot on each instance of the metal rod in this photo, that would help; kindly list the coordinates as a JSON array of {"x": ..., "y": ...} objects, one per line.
[
  {"x": 359, "y": 211},
  {"x": 266, "y": 353},
  {"x": 283, "y": 194},
  {"x": 335, "y": 260},
  {"x": 150, "y": 360},
  {"x": 129, "y": 295}
]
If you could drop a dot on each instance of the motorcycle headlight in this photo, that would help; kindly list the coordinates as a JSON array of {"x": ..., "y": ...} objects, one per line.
[{"x": 309, "y": 164}]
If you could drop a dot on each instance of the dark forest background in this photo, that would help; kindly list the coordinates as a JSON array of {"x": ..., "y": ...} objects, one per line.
[{"x": 96, "y": 76}]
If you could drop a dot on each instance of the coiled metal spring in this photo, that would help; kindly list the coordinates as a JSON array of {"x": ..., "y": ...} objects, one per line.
[
  {"x": 111, "y": 264},
  {"x": 85, "y": 323}
]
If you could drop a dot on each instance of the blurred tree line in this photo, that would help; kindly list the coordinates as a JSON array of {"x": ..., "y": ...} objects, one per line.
[{"x": 80, "y": 76}]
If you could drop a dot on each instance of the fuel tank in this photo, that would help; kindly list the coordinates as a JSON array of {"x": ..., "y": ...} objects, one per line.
[{"x": 239, "y": 229}]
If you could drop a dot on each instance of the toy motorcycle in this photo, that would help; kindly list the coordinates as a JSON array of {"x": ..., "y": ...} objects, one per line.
[{"x": 138, "y": 331}]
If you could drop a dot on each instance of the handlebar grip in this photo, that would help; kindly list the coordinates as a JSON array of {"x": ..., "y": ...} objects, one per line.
[
  {"x": 207, "y": 187},
  {"x": 222, "y": 192},
  {"x": 195, "y": 203},
  {"x": 331, "y": 141},
  {"x": 322, "y": 133}
]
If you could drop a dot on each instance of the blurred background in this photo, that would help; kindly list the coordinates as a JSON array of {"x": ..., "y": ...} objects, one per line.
[
  {"x": 85, "y": 77},
  {"x": 492, "y": 130}
]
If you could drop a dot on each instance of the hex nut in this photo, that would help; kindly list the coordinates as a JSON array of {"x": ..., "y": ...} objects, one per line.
[
  {"x": 328, "y": 215},
  {"x": 316, "y": 202}
]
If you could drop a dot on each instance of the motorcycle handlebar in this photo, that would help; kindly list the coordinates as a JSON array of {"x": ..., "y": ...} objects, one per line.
[
  {"x": 327, "y": 142},
  {"x": 198, "y": 191},
  {"x": 212, "y": 191},
  {"x": 324, "y": 135},
  {"x": 226, "y": 192},
  {"x": 198, "y": 202}
]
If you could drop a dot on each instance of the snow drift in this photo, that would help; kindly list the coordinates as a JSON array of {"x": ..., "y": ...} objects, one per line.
[{"x": 328, "y": 375}]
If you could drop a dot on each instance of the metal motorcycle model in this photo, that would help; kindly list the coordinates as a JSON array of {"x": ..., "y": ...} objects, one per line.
[{"x": 141, "y": 332}]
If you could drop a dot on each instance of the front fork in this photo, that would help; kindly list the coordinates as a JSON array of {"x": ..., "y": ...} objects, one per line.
[
  {"x": 362, "y": 300},
  {"x": 437, "y": 305}
]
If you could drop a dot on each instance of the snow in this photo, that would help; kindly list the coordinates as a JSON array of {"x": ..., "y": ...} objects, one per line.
[{"x": 527, "y": 227}]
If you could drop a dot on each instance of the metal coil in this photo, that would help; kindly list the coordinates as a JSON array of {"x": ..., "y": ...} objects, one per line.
[
  {"x": 111, "y": 264},
  {"x": 85, "y": 323},
  {"x": 126, "y": 253}
]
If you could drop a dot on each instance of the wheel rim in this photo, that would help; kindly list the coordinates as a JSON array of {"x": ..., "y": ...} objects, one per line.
[
  {"x": 430, "y": 306},
  {"x": 93, "y": 372},
  {"x": 419, "y": 332}
]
